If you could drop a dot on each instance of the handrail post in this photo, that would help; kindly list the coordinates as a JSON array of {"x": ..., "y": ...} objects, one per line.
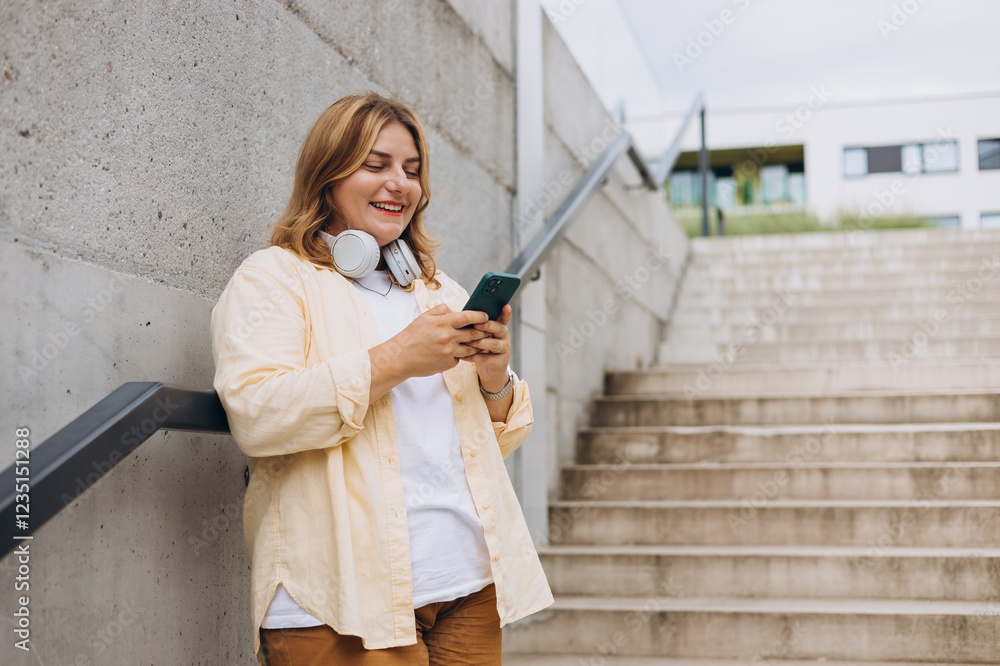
[{"x": 703, "y": 169}]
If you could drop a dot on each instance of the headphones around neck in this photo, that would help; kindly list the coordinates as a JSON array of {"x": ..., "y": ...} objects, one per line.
[{"x": 356, "y": 254}]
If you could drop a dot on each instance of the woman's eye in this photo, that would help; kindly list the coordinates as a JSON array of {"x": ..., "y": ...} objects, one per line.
[
  {"x": 412, "y": 174},
  {"x": 373, "y": 167}
]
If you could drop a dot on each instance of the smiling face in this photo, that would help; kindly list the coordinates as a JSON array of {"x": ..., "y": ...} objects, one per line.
[{"x": 382, "y": 195}]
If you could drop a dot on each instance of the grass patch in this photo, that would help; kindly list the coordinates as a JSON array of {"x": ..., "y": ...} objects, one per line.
[{"x": 791, "y": 223}]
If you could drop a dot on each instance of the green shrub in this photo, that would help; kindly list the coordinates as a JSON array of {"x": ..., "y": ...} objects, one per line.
[{"x": 791, "y": 223}]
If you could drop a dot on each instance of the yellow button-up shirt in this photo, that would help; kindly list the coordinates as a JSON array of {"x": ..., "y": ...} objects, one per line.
[{"x": 324, "y": 512}]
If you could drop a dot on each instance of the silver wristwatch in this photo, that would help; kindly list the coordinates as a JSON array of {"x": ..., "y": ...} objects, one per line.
[{"x": 502, "y": 392}]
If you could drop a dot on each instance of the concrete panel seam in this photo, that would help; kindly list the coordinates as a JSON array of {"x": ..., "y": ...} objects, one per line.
[
  {"x": 302, "y": 17},
  {"x": 42, "y": 250},
  {"x": 588, "y": 259}
]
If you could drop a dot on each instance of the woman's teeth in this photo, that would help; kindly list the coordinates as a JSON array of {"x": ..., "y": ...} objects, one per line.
[{"x": 388, "y": 207}]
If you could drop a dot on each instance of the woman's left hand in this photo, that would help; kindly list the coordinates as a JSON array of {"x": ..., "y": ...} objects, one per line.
[{"x": 494, "y": 352}]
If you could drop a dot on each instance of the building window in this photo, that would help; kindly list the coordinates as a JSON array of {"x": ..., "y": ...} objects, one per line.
[
  {"x": 773, "y": 183},
  {"x": 989, "y": 154},
  {"x": 683, "y": 190},
  {"x": 940, "y": 157},
  {"x": 855, "y": 162},
  {"x": 989, "y": 220},
  {"x": 725, "y": 193},
  {"x": 885, "y": 159},
  {"x": 913, "y": 161},
  {"x": 911, "y": 158}
]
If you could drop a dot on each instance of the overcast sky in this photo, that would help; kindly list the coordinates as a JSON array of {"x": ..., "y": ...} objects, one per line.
[{"x": 756, "y": 53}]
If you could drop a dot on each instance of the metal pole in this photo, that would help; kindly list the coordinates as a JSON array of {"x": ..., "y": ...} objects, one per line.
[
  {"x": 703, "y": 169},
  {"x": 528, "y": 466}
]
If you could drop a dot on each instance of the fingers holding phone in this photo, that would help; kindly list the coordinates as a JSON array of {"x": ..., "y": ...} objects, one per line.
[{"x": 493, "y": 356}]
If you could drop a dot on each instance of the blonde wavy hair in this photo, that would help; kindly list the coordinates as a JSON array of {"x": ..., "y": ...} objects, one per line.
[{"x": 338, "y": 145}]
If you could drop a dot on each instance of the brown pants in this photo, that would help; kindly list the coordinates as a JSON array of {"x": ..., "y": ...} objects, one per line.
[{"x": 464, "y": 632}]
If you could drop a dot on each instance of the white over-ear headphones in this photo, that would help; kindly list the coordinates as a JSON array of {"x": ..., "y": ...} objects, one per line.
[{"x": 356, "y": 254}]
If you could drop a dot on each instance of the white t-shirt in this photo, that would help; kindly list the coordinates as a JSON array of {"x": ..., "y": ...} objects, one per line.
[{"x": 448, "y": 554}]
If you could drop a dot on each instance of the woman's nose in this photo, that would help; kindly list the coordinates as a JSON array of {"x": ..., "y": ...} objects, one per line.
[{"x": 397, "y": 180}]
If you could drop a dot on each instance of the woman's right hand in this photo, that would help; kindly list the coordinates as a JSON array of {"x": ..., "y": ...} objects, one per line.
[{"x": 432, "y": 343}]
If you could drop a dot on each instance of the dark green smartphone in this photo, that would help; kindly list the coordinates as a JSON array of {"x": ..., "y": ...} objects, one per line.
[{"x": 492, "y": 293}]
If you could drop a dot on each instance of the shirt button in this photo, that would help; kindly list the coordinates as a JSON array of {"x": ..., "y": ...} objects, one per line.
[
  {"x": 486, "y": 506},
  {"x": 460, "y": 397},
  {"x": 472, "y": 453},
  {"x": 496, "y": 558}
]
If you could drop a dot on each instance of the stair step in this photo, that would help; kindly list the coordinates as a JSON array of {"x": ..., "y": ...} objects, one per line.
[
  {"x": 778, "y": 310},
  {"x": 931, "y": 521},
  {"x": 761, "y": 629},
  {"x": 720, "y": 278},
  {"x": 857, "y": 240},
  {"x": 598, "y": 659},
  {"x": 785, "y": 254},
  {"x": 904, "y": 260},
  {"x": 799, "y": 479},
  {"x": 704, "y": 270},
  {"x": 841, "y": 297},
  {"x": 857, "y": 407},
  {"x": 835, "y": 332},
  {"x": 809, "y": 477},
  {"x": 718, "y": 378},
  {"x": 761, "y": 571},
  {"x": 894, "y": 351},
  {"x": 973, "y": 442}
]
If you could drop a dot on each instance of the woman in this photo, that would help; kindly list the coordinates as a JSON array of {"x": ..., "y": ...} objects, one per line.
[{"x": 379, "y": 517}]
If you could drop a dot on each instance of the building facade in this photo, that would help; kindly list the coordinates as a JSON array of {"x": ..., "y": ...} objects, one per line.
[{"x": 936, "y": 158}]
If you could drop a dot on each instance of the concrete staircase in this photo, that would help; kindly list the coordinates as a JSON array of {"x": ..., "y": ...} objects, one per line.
[{"x": 811, "y": 477}]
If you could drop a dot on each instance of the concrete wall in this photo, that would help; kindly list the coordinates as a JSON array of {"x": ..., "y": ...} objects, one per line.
[
  {"x": 147, "y": 149},
  {"x": 611, "y": 281}
]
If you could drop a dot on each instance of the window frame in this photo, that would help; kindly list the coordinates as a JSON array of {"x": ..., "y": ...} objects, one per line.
[
  {"x": 920, "y": 146},
  {"x": 979, "y": 154}
]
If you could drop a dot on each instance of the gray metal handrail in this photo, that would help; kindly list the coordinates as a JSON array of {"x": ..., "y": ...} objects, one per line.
[
  {"x": 540, "y": 246},
  {"x": 666, "y": 163},
  {"x": 75, "y": 458}
]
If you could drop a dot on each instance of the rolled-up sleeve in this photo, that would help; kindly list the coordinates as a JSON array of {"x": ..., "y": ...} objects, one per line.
[
  {"x": 275, "y": 404},
  {"x": 511, "y": 433}
]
